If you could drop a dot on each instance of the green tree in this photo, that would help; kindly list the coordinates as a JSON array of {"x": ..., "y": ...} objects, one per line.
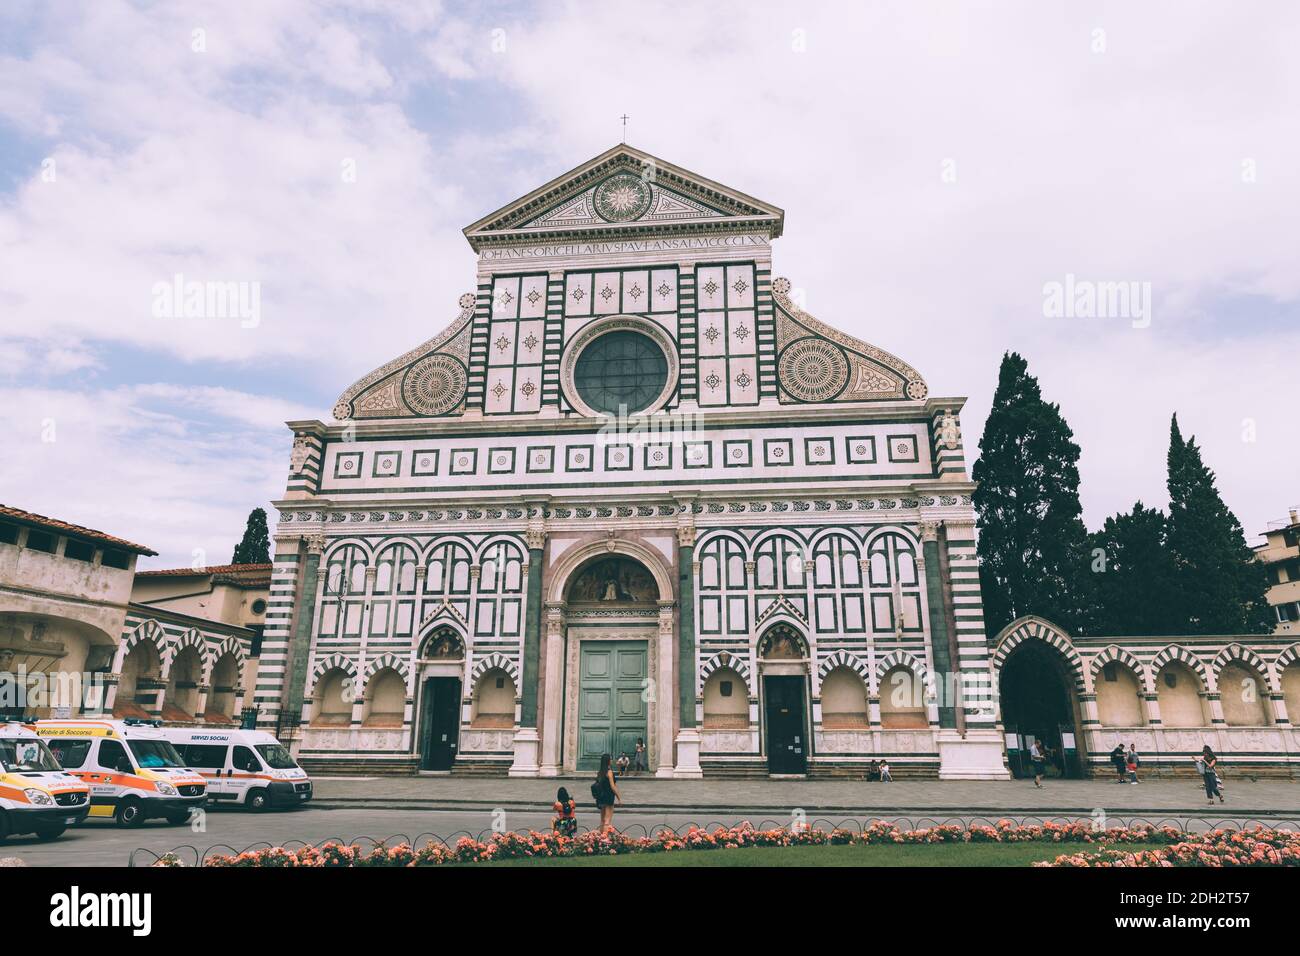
[
  {"x": 1134, "y": 582},
  {"x": 1032, "y": 541},
  {"x": 1220, "y": 585},
  {"x": 255, "y": 548}
]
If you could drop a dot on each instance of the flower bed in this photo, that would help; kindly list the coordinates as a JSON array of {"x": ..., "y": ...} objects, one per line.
[
  {"x": 1221, "y": 848},
  {"x": 1258, "y": 847}
]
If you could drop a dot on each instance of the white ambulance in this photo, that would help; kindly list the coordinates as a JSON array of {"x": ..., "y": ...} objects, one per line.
[
  {"x": 36, "y": 796},
  {"x": 248, "y": 768},
  {"x": 134, "y": 772}
]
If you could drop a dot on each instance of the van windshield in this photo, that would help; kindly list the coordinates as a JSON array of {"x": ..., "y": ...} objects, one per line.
[
  {"x": 23, "y": 755},
  {"x": 276, "y": 757},
  {"x": 152, "y": 754}
]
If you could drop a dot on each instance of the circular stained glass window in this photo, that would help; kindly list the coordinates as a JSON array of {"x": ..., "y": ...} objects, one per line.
[{"x": 621, "y": 370}]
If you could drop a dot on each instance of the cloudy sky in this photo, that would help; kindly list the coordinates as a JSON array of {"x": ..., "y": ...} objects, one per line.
[{"x": 939, "y": 164}]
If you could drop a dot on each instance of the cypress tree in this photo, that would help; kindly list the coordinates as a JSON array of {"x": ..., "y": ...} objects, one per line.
[
  {"x": 1220, "y": 585},
  {"x": 1032, "y": 540},
  {"x": 1134, "y": 579},
  {"x": 255, "y": 548}
]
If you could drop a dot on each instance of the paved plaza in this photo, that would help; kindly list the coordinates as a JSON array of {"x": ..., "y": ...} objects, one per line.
[{"x": 1264, "y": 798}]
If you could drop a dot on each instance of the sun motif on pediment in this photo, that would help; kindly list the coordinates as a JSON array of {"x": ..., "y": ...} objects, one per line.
[{"x": 622, "y": 197}]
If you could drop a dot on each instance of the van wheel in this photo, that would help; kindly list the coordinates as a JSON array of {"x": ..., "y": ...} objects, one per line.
[
  {"x": 256, "y": 800},
  {"x": 4, "y": 824},
  {"x": 50, "y": 832},
  {"x": 130, "y": 814}
]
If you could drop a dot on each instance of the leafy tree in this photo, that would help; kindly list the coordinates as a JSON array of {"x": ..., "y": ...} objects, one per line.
[
  {"x": 255, "y": 548},
  {"x": 1032, "y": 541},
  {"x": 1220, "y": 585},
  {"x": 1134, "y": 582}
]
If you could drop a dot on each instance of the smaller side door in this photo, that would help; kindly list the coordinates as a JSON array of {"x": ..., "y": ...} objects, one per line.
[
  {"x": 112, "y": 768},
  {"x": 246, "y": 772},
  {"x": 210, "y": 760}
]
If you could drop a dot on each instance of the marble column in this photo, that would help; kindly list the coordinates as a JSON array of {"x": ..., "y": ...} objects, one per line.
[
  {"x": 687, "y": 764},
  {"x": 552, "y": 743},
  {"x": 527, "y": 739}
]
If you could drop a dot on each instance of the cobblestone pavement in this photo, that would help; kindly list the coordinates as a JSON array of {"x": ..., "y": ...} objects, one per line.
[{"x": 1270, "y": 798}]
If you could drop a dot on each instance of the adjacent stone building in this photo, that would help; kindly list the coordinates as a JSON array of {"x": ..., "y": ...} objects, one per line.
[
  {"x": 190, "y": 643},
  {"x": 1280, "y": 553},
  {"x": 64, "y": 591}
]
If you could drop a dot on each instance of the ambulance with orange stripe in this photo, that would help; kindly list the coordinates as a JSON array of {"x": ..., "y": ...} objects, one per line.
[
  {"x": 36, "y": 796},
  {"x": 133, "y": 771},
  {"x": 247, "y": 768}
]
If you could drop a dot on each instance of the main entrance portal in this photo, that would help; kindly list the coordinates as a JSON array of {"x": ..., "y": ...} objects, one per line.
[{"x": 612, "y": 713}]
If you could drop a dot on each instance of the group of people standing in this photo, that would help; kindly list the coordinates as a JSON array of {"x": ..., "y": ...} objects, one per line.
[{"x": 1126, "y": 763}]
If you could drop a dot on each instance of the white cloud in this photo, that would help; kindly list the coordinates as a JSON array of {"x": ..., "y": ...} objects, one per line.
[{"x": 172, "y": 468}]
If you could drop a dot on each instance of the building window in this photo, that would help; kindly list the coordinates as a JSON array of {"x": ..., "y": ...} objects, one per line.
[
  {"x": 8, "y": 533},
  {"x": 79, "y": 550},
  {"x": 41, "y": 541},
  {"x": 621, "y": 370},
  {"x": 1109, "y": 671},
  {"x": 116, "y": 559},
  {"x": 259, "y": 606},
  {"x": 724, "y": 688}
]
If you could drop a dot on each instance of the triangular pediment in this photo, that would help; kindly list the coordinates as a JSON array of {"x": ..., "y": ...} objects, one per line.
[{"x": 625, "y": 191}]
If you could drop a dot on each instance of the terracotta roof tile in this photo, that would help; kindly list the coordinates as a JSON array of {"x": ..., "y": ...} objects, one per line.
[
  {"x": 64, "y": 527},
  {"x": 254, "y": 574}
]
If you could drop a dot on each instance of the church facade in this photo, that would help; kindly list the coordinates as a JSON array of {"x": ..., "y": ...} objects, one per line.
[
  {"x": 633, "y": 493},
  {"x": 635, "y": 499}
]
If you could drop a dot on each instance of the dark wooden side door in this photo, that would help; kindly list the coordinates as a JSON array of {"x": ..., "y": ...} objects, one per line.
[
  {"x": 787, "y": 741},
  {"x": 440, "y": 722}
]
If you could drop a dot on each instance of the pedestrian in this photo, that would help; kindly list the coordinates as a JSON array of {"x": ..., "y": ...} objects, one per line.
[
  {"x": 640, "y": 764},
  {"x": 1119, "y": 760},
  {"x": 605, "y": 792},
  {"x": 1207, "y": 763},
  {"x": 1039, "y": 758},
  {"x": 885, "y": 776},
  {"x": 1133, "y": 761},
  {"x": 566, "y": 814}
]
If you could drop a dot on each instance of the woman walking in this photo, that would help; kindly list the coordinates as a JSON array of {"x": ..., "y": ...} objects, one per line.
[
  {"x": 605, "y": 792},
  {"x": 1207, "y": 763}
]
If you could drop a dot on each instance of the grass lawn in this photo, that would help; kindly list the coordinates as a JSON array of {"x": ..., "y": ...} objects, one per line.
[{"x": 943, "y": 854}]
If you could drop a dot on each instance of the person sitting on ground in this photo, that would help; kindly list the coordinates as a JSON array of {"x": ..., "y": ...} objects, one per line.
[
  {"x": 884, "y": 772},
  {"x": 566, "y": 814},
  {"x": 873, "y": 770},
  {"x": 623, "y": 763}
]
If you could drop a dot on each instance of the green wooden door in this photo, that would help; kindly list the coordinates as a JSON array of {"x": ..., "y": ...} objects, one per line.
[{"x": 611, "y": 705}]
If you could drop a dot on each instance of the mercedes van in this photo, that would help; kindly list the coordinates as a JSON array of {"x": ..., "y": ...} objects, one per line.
[
  {"x": 36, "y": 796},
  {"x": 247, "y": 768},
  {"x": 133, "y": 771}
]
